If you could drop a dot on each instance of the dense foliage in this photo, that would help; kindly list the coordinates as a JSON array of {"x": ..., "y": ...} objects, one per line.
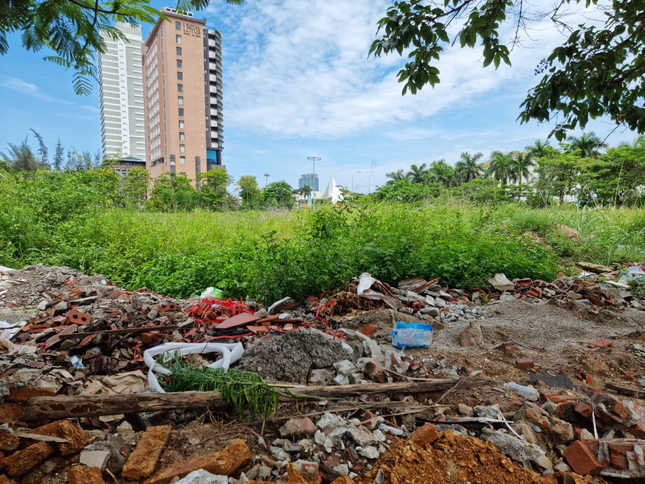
[
  {"x": 597, "y": 71},
  {"x": 540, "y": 175}
]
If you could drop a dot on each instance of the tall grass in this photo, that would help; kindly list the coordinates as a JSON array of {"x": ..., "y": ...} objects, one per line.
[{"x": 268, "y": 255}]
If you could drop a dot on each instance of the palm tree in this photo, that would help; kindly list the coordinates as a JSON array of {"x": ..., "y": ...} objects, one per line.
[
  {"x": 521, "y": 166},
  {"x": 467, "y": 167},
  {"x": 395, "y": 176},
  {"x": 442, "y": 172},
  {"x": 418, "y": 174},
  {"x": 501, "y": 166},
  {"x": 541, "y": 149},
  {"x": 588, "y": 144},
  {"x": 304, "y": 190}
]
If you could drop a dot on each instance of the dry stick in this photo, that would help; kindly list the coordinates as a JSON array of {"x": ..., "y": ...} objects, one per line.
[
  {"x": 627, "y": 391},
  {"x": 96, "y": 405},
  {"x": 449, "y": 391}
]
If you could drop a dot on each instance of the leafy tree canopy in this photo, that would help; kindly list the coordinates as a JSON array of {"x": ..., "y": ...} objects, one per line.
[
  {"x": 597, "y": 71},
  {"x": 72, "y": 28}
]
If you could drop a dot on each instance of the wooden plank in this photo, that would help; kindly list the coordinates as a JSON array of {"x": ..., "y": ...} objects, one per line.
[
  {"x": 123, "y": 331},
  {"x": 60, "y": 407}
]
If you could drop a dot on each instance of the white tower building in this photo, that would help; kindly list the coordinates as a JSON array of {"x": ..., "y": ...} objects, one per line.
[{"x": 121, "y": 96}]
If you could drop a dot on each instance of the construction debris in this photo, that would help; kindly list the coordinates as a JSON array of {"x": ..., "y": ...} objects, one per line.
[{"x": 80, "y": 401}]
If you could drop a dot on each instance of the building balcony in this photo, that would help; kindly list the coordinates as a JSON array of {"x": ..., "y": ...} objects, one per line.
[
  {"x": 212, "y": 78},
  {"x": 213, "y": 112}
]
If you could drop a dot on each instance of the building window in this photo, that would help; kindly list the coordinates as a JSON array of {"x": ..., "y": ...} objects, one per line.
[
  {"x": 179, "y": 63},
  {"x": 182, "y": 136},
  {"x": 182, "y": 148},
  {"x": 178, "y": 50},
  {"x": 182, "y": 159},
  {"x": 178, "y": 38},
  {"x": 180, "y": 88},
  {"x": 180, "y": 100},
  {"x": 181, "y": 124},
  {"x": 181, "y": 111},
  {"x": 177, "y": 25},
  {"x": 180, "y": 76}
]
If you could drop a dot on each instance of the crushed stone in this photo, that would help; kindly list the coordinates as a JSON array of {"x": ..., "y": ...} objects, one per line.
[{"x": 291, "y": 357}]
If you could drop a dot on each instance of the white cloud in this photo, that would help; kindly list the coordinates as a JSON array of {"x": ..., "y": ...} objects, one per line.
[
  {"x": 21, "y": 86},
  {"x": 300, "y": 69}
]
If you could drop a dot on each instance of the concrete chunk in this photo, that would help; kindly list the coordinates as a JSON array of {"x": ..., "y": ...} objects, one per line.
[{"x": 501, "y": 283}]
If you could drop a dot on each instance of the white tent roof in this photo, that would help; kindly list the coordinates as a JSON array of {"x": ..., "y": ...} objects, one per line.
[{"x": 333, "y": 191}]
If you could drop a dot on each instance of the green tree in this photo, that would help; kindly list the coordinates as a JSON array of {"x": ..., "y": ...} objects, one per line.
[
  {"x": 42, "y": 149},
  {"x": 72, "y": 28},
  {"x": 468, "y": 168},
  {"x": 561, "y": 176},
  {"x": 541, "y": 149},
  {"x": 213, "y": 188},
  {"x": 304, "y": 190},
  {"x": 249, "y": 192},
  {"x": 21, "y": 157},
  {"x": 58, "y": 156},
  {"x": 595, "y": 72},
  {"x": 588, "y": 145},
  {"x": 521, "y": 165},
  {"x": 395, "y": 176},
  {"x": 172, "y": 193},
  {"x": 501, "y": 166},
  {"x": 278, "y": 194},
  {"x": 404, "y": 190},
  {"x": 135, "y": 186},
  {"x": 418, "y": 174},
  {"x": 442, "y": 172}
]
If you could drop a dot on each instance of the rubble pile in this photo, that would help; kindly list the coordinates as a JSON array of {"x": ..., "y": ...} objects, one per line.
[{"x": 79, "y": 403}]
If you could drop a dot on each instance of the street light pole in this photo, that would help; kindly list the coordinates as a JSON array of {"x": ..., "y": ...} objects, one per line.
[
  {"x": 353, "y": 179},
  {"x": 314, "y": 159},
  {"x": 266, "y": 179}
]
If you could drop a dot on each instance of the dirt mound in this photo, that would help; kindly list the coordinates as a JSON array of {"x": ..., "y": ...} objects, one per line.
[
  {"x": 450, "y": 459},
  {"x": 291, "y": 357}
]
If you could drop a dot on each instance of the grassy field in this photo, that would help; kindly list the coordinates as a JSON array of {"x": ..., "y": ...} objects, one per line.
[{"x": 268, "y": 255}]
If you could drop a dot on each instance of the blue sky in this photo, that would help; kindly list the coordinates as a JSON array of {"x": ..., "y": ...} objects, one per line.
[{"x": 298, "y": 83}]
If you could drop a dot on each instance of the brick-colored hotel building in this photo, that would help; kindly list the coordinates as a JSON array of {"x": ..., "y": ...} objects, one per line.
[{"x": 182, "y": 83}]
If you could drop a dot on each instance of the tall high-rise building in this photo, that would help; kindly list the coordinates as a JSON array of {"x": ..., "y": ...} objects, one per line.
[
  {"x": 121, "y": 95},
  {"x": 310, "y": 180},
  {"x": 182, "y": 82}
]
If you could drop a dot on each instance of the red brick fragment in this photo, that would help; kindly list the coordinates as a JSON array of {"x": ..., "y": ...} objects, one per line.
[
  {"x": 143, "y": 460},
  {"x": 618, "y": 453},
  {"x": 601, "y": 343},
  {"x": 581, "y": 460},
  {"x": 25, "y": 460},
  {"x": 226, "y": 462},
  {"x": 85, "y": 475},
  {"x": 424, "y": 435},
  {"x": 20, "y": 394},
  {"x": 65, "y": 429}
]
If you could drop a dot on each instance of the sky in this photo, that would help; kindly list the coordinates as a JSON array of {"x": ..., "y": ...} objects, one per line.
[{"x": 298, "y": 83}]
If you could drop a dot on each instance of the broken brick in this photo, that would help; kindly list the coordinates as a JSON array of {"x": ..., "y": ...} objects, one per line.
[
  {"x": 583, "y": 409},
  {"x": 65, "y": 429},
  {"x": 601, "y": 343},
  {"x": 20, "y": 394},
  {"x": 8, "y": 441},
  {"x": 425, "y": 435},
  {"x": 581, "y": 460},
  {"x": 524, "y": 363},
  {"x": 466, "y": 339},
  {"x": 25, "y": 460},
  {"x": 143, "y": 460},
  {"x": 11, "y": 412},
  {"x": 85, "y": 475},
  {"x": 225, "y": 463},
  {"x": 78, "y": 318},
  {"x": 618, "y": 453}
]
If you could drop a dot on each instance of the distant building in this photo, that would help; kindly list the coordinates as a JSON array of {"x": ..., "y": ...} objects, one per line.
[
  {"x": 124, "y": 165},
  {"x": 310, "y": 180},
  {"x": 121, "y": 95},
  {"x": 183, "y": 92}
]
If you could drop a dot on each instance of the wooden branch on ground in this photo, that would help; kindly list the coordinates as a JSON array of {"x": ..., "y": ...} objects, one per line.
[
  {"x": 625, "y": 390},
  {"x": 123, "y": 331},
  {"x": 97, "y": 405}
]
